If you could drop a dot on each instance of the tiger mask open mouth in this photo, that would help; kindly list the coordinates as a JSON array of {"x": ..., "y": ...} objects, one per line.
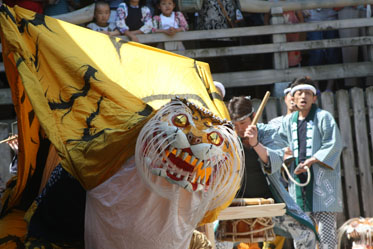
[{"x": 189, "y": 146}]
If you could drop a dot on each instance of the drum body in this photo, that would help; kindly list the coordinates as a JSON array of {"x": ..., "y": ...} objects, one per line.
[{"x": 247, "y": 230}]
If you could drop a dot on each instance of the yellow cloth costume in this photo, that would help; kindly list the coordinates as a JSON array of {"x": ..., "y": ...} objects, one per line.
[{"x": 90, "y": 93}]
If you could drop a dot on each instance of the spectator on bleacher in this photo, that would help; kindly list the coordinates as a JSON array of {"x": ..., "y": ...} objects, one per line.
[
  {"x": 169, "y": 21},
  {"x": 134, "y": 18},
  {"x": 58, "y": 7},
  {"x": 218, "y": 14},
  {"x": 101, "y": 19},
  {"x": 327, "y": 55},
  {"x": 291, "y": 17}
]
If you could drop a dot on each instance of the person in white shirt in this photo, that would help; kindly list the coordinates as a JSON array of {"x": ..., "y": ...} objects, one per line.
[{"x": 169, "y": 21}]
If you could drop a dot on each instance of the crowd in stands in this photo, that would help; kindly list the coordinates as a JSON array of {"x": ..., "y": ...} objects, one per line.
[{"x": 133, "y": 17}]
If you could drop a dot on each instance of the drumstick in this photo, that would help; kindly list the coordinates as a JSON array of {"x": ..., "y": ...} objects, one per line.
[
  {"x": 261, "y": 108},
  {"x": 8, "y": 139}
]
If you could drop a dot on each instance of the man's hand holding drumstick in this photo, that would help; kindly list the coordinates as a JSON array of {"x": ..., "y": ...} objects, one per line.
[
  {"x": 12, "y": 141},
  {"x": 251, "y": 132}
]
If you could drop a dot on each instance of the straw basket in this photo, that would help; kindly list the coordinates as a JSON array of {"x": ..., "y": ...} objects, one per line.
[{"x": 247, "y": 230}]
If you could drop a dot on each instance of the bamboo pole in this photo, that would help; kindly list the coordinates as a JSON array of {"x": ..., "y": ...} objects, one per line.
[
  {"x": 261, "y": 108},
  {"x": 8, "y": 139},
  {"x": 261, "y": 6}
]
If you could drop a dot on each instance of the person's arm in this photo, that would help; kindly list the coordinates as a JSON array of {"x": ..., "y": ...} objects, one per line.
[
  {"x": 147, "y": 20},
  {"x": 302, "y": 166},
  {"x": 13, "y": 143},
  {"x": 157, "y": 24},
  {"x": 251, "y": 133},
  {"x": 169, "y": 31},
  {"x": 331, "y": 142},
  {"x": 131, "y": 35},
  {"x": 137, "y": 32},
  {"x": 271, "y": 159},
  {"x": 274, "y": 139},
  {"x": 114, "y": 32},
  {"x": 183, "y": 24},
  {"x": 120, "y": 22}
]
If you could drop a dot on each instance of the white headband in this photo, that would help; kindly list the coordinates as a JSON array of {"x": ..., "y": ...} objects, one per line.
[
  {"x": 303, "y": 87},
  {"x": 287, "y": 90},
  {"x": 245, "y": 116}
]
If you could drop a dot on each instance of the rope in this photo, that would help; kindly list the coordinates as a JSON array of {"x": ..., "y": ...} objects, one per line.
[
  {"x": 293, "y": 180},
  {"x": 265, "y": 223},
  {"x": 252, "y": 229}
]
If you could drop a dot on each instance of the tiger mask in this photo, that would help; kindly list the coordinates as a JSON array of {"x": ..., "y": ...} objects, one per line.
[{"x": 190, "y": 147}]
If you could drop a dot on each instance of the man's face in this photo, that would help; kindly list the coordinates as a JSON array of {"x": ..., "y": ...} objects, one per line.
[
  {"x": 290, "y": 102},
  {"x": 304, "y": 99},
  {"x": 240, "y": 126}
]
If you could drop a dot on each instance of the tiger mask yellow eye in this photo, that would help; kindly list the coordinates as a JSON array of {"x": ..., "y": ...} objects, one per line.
[
  {"x": 180, "y": 120},
  {"x": 215, "y": 138}
]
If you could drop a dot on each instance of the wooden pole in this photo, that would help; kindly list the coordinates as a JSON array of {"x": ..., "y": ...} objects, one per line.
[{"x": 261, "y": 108}]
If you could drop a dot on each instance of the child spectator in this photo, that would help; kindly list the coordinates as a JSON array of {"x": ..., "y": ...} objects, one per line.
[
  {"x": 169, "y": 21},
  {"x": 101, "y": 18},
  {"x": 133, "y": 18}
]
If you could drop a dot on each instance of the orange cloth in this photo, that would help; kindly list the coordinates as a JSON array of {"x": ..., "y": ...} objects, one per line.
[
  {"x": 13, "y": 229},
  {"x": 248, "y": 246},
  {"x": 51, "y": 163}
]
